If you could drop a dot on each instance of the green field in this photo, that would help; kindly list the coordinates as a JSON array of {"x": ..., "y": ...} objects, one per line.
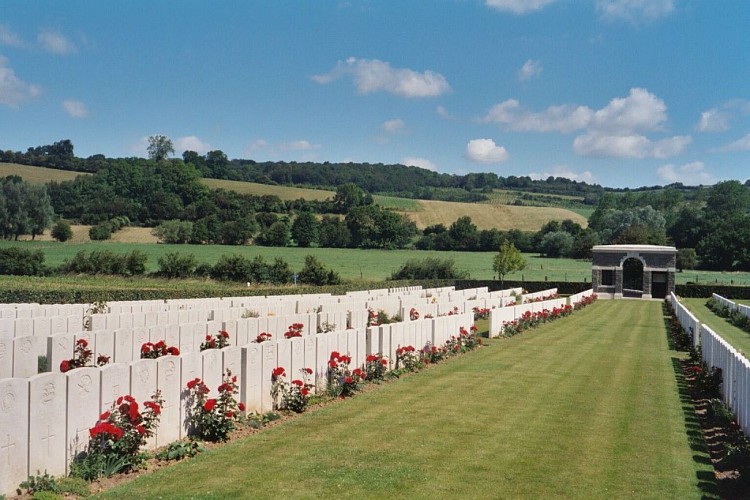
[
  {"x": 359, "y": 264},
  {"x": 737, "y": 337},
  {"x": 586, "y": 407}
]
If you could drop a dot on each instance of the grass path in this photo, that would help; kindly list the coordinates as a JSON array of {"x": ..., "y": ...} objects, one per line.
[
  {"x": 737, "y": 337},
  {"x": 587, "y": 407}
]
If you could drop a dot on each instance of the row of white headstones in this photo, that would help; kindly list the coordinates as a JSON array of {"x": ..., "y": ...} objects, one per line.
[
  {"x": 718, "y": 353},
  {"x": 45, "y": 418}
]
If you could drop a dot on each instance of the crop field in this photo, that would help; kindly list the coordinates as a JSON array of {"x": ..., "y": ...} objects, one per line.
[
  {"x": 585, "y": 407},
  {"x": 488, "y": 216},
  {"x": 37, "y": 175}
]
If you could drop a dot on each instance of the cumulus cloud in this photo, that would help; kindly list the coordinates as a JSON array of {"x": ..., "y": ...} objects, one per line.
[
  {"x": 55, "y": 42},
  {"x": 713, "y": 120},
  {"x": 628, "y": 146},
  {"x": 529, "y": 70},
  {"x": 615, "y": 130},
  {"x": 75, "y": 109},
  {"x": 485, "y": 151},
  {"x": 191, "y": 143},
  {"x": 394, "y": 126},
  {"x": 742, "y": 144},
  {"x": 565, "y": 172},
  {"x": 718, "y": 119},
  {"x": 13, "y": 90},
  {"x": 301, "y": 145},
  {"x": 634, "y": 11},
  {"x": 564, "y": 118},
  {"x": 518, "y": 6},
  {"x": 372, "y": 75},
  {"x": 689, "y": 174},
  {"x": 412, "y": 161},
  {"x": 9, "y": 37}
]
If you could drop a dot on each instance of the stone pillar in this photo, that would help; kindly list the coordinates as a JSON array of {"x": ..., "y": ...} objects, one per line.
[
  {"x": 618, "y": 283},
  {"x": 646, "y": 285},
  {"x": 595, "y": 279},
  {"x": 670, "y": 282}
]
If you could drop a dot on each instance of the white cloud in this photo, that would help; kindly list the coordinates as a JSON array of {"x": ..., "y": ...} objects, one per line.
[
  {"x": 301, "y": 145},
  {"x": 742, "y": 144},
  {"x": 8, "y": 37},
  {"x": 440, "y": 110},
  {"x": 628, "y": 146},
  {"x": 718, "y": 119},
  {"x": 634, "y": 11},
  {"x": 56, "y": 43},
  {"x": 394, "y": 126},
  {"x": 372, "y": 75},
  {"x": 564, "y": 118},
  {"x": 485, "y": 151},
  {"x": 191, "y": 143},
  {"x": 567, "y": 173},
  {"x": 518, "y": 6},
  {"x": 75, "y": 109},
  {"x": 529, "y": 70},
  {"x": 616, "y": 130},
  {"x": 713, "y": 120},
  {"x": 13, "y": 90},
  {"x": 640, "y": 110},
  {"x": 689, "y": 174},
  {"x": 419, "y": 162}
]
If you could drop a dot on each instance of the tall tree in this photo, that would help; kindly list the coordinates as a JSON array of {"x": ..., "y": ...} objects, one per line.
[
  {"x": 305, "y": 229},
  {"x": 159, "y": 147},
  {"x": 508, "y": 260}
]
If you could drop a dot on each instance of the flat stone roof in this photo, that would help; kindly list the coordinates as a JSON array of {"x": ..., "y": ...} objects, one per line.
[{"x": 634, "y": 248}]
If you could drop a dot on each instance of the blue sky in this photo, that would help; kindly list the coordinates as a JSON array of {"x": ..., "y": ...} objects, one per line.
[{"x": 617, "y": 92}]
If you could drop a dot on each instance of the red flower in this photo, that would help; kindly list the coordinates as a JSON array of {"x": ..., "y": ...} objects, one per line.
[
  {"x": 332, "y": 364},
  {"x": 298, "y": 382},
  {"x": 146, "y": 347},
  {"x": 133, "y": 412},
  {"x": 209, "y": 405},
  {"x": 308, "y": 371},
  {"x": 193, "y": 383},
  {"x": 224, "y": 334},
  {"x": 334, "y": 355},
  {"x": 141, "y": 430},
  {"x": 349, "y": 380},
  {"x": 64, "y": 365},
  {"x": 160, "y": 345},
  {"x": 230, "y": 414},
  {"x": 104, "y": 416},
  {"x": 304, "y": 391},
  {"x": 154, "y": 407},
  {"x": 383, "y": 361},
  {"x": 208, "y": 337},
  {"x": 173, "y": 351},
  {"x": 278, "y": 372},
  {"x": 82, "y": 342},
  {"x": 241, "y": 406}
]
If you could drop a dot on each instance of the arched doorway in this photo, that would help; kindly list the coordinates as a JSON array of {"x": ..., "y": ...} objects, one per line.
[{"x": 632, "y": 277}]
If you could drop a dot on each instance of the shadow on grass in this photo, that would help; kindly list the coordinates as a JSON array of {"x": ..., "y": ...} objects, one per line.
[{"x": 707, "y": 482}]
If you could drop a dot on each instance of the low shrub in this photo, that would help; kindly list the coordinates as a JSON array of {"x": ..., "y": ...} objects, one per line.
[
  {"x": 212, "y": 419},
  {"x": 22, "y": 262}
]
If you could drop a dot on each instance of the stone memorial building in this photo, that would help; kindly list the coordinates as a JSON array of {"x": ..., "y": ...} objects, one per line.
[{"x": 640, "y": 271}]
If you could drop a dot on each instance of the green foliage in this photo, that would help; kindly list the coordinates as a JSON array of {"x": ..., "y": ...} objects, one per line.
[
  {"x": 686, "y": 259},
  {"x": 39, "y": 483},
  {"x": 25, "y": 208},
  {"x": 22, "y": 262},
  {"x": 61, "y": 231},
  {"x": 176, "y": 265},
  {"x": 315, "y": 273},
  {"x": 174, "y": 231},
  {"x": 159, "y": 147},
  {"x": 212, "y": 419},
  {"x": 106, "y": 262},
  {"x": 101, "y": 231},
  {"x": 428, "y": 269},
  {"x": 508, "y": 260},
  {"x": 178, "y": 450},
  {"x": 305, "y": 229},
  {"x": 557, "y": 244}
]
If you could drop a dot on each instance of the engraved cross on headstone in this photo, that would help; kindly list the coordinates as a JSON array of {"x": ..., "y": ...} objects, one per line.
[
  {"x": 49, "y": 437},
  {"x": 7, "y": 447}
]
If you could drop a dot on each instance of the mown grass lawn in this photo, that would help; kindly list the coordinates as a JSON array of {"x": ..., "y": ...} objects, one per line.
[
  {"x": 587, "y": 407},
  {"x": 737, "y": 337}
]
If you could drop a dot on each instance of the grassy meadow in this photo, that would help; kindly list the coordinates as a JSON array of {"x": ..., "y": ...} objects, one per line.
[
  {"x": 737, "y": 337},
  {"x": 586, "y": 407}
]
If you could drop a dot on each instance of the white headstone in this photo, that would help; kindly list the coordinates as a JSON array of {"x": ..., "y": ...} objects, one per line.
[
  {"x": 25, "y": 355},
  {"x": 24, "y": 327},
  {"x": 82, "y": 412},
  {"x": 212, "y": 376},
  {"x": 251, "y": 377},
  {"x": 232, "y": 360},
  {"x": 284, "y": 357},
  {"x": 114, "y": 382},
  {"x": 47, "y": 401},
  {"x": 143, "y": 378},
  {"x": 59, "y": 348},
  {"x": 14, "y": 433},
  {"x": 191, "y": 367},
  {"x": 269, "y": 364},
  {"x": 140, "y": 337},
  {"x": 168, "y": 383},
  {"x": 124, "y": 346},
  {"x": 298, "y": 356}
]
